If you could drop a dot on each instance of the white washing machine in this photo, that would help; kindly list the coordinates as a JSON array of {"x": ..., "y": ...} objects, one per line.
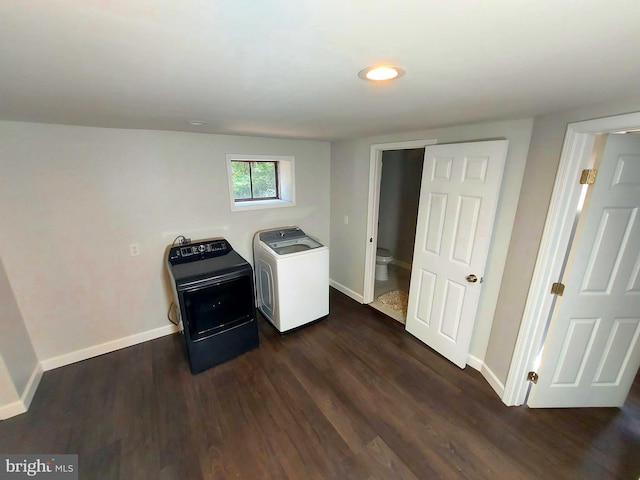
[{"x": 292, "y": 277}]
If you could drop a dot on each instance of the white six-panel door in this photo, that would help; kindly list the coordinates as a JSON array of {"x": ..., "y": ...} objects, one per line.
[
  {"x": 458, "y": 199},
  {"x": 592, "y": 352}
]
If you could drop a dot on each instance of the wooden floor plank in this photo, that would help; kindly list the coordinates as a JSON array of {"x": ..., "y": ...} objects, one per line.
[{"x": 350, "y": 397}]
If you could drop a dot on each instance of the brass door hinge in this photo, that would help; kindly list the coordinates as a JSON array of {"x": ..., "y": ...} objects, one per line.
[
  {"x": 532, "y": 377},
  {"x": 557, "y": 289},
  {"x": 588, "y": 176}
]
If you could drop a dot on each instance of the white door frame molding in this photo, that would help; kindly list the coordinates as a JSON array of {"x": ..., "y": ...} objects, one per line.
[
  {"x": 576, "y": 156},
  {"x": 375, "y": 176}
]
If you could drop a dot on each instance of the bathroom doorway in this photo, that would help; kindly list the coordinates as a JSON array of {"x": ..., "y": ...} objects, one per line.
[
  {"x": 399, "y": 196},
  {"x": 375, "y": 177}
]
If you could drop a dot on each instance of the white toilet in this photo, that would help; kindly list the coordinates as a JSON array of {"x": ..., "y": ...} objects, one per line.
[{"x": 383, "y": 258}]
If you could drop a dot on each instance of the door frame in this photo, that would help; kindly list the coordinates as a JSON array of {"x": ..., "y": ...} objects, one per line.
[
  {"x": 375, "y": 177},
  {"x": 576, "y": 155}
]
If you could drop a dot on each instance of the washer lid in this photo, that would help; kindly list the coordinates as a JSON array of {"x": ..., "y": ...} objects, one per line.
[
  {"x": 288, "y": 240},
  {"x": 280, "y": 234},
  {"x": 294, "y": 245}
]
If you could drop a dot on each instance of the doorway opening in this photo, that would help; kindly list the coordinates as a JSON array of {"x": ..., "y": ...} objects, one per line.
[
  {"x": 394, "y": 191},
  {"x": 397, "y": 217},
  {"x": 460, "y": 189}
]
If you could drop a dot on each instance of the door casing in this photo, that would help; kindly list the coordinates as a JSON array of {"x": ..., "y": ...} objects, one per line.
[{"x": 576, "y": 156}]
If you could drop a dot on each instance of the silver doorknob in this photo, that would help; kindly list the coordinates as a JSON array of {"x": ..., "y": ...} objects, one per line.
[{"x": 471, "y": 278}]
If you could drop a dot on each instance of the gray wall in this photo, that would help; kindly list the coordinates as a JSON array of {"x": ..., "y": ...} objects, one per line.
[
  {"x": 543, "y": 159},
  {"x": 17, "y": 356},
  {"x": 72, "y": 200},
  {"x": 349, "y": 196},
  {"x": 399, "y": 197}
]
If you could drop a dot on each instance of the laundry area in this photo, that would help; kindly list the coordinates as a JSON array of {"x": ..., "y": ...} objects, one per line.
[{"x": 216, "y": 291}]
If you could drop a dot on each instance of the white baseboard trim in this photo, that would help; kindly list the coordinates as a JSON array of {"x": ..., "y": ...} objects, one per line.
[
  {"x": 12, "y": 409},
  {"x": 491, "y": 378},
  {"x": 474, "y": 362},
  {"x": 21, "y": 406},
  {"x": 401, "y": 264},
  {"x": 32, "y": 386},
  {"x": 347, "y": 291},
  {"x": 112, "y": 346}
]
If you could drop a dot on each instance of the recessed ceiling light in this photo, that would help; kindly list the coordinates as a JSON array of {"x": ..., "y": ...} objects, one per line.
[
  {"x": 381, "y": 73},
  {"x": 197, "y": 123}
]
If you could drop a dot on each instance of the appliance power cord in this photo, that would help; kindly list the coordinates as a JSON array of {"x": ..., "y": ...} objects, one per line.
[{"x": 169, "y": 314}]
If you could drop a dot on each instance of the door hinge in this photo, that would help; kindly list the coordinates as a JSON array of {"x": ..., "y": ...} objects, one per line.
[
  {"x": 557, "y": 289},
  {"x": 532, "y": 377},
  {"x": 588, "y": 176}
]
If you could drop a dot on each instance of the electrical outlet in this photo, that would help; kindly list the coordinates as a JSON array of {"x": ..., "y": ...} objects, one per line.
[
  {"x": 346, "y": 219},
  {"x": 134, "y": 249}
]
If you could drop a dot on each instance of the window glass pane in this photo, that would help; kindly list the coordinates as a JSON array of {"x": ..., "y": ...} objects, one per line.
[
  {"x": 263, "y": 176},
  {"x": 241, "y": 180},
  {"x": 258, "y": 181}
]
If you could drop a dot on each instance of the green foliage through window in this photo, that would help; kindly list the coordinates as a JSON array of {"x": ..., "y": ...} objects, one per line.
[{"x": 254, "y": 180}]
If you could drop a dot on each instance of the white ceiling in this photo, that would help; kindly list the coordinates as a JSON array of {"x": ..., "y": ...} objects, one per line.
[{"x": 289, "y": 68}]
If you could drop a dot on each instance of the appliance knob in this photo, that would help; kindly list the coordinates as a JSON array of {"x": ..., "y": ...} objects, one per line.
[{"x": 201, "y": 248}]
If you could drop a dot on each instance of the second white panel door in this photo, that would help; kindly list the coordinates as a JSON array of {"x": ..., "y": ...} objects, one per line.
[{"x": 458, "y": 202}]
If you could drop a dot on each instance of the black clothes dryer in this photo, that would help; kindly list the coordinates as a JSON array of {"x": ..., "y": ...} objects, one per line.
[{"x": 213, "y": 289}]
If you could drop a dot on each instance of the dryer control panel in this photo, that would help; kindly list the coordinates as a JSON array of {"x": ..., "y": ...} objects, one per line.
[{"x": 199, "y": 250}]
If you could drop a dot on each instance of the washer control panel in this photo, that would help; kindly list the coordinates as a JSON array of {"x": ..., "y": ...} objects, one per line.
[{"x": 199, "y": 250}]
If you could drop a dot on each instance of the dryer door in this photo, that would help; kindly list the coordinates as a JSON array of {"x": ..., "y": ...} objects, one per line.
[{"x": 217, "y": 307}]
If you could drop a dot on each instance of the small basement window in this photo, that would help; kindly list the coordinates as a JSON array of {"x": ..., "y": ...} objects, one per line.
[{"x": 260, "y": 181}]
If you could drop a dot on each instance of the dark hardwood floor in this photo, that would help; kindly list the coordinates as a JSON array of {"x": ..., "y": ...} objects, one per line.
[{"x": 350, "y": 397}]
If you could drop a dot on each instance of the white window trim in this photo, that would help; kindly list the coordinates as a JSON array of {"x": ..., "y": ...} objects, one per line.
[{"x": 286, "y": 182}]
